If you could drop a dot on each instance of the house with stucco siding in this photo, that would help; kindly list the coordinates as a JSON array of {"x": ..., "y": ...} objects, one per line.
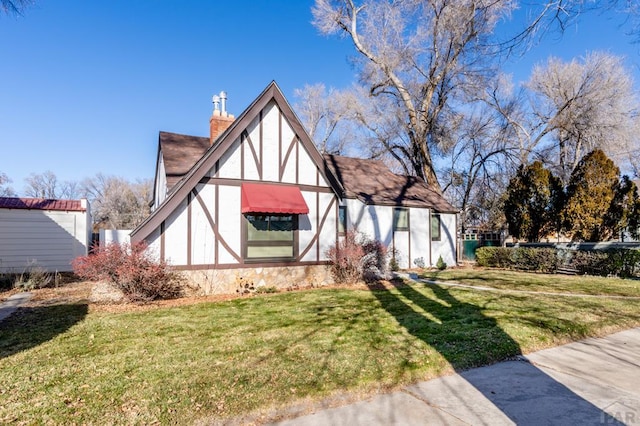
[{"x": 257, "y": 202}]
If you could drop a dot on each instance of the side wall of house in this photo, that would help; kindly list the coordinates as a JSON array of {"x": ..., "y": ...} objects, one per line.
[
  {"x": 160, "y": 187},
  {"x": 446, "y": 247},
  {"x": 47, "y": 239},
  {"x": 377, "y": 223},
  {"x": 205, "y": 235}
]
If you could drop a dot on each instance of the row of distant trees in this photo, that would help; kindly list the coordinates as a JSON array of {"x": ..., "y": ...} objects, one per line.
[
  {"x": 116, "y": 203},
  {"x": 595, "y": 205}
]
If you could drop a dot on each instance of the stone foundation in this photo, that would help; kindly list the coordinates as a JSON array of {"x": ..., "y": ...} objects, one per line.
[{"x": 232, "y": 281}]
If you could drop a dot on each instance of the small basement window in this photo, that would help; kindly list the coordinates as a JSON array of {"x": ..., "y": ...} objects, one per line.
[
  {"x": 270, "y": 236},
  {"x": 400, "y": 219}
]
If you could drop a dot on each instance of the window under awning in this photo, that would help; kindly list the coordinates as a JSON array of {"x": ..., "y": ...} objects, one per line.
[{"x": 266, "y": 198}]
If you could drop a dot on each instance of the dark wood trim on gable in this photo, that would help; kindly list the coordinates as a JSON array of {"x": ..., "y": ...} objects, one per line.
[
  {"x": 280, "y": 168},
  {"x": 189, "y": 213},
  {"x": 297, "y": 160},
  {"x": 283, "y": 163},
  {"x": 261, "y": 164},
  {"x": 216, "y": 218},
  {"x": 224, "y": 142},
  {"x": 242, "y": 154},
  {"x": 162, "y": 251},
  {"x": 257, "y": 161},
  {"x": 239, "y": 182}
]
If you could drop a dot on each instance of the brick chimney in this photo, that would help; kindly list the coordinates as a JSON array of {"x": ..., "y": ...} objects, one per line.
[{"x": 220, "y": 119}]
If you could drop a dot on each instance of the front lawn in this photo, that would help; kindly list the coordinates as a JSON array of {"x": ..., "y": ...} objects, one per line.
[
  {"x": 512, "y": 280},
  {"x": 211, "y": 361}
]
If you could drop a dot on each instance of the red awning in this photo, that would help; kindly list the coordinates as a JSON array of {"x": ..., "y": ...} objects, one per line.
[{"x": 266, "y": 198}]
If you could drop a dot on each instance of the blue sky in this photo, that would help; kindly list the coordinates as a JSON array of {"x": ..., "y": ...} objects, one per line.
[{"x": 85, "y": 87}]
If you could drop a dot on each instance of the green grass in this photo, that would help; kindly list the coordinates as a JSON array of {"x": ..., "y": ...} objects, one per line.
[
  {"x": 513, "y": 280},
  {"x": 64, "y": 364}
]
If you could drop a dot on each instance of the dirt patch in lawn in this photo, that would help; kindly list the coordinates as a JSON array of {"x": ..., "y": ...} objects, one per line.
[{"x": 80, "y": 292}]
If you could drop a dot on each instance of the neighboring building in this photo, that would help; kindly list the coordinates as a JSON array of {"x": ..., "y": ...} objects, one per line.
[
  {"x": 256, "y": 202},
  {"x": 43, "y": 233}
]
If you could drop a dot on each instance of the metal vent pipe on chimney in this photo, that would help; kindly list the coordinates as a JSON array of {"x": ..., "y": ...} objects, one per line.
[
  {"x": 223, "y": 102},
  {"x": 216, "y": 102}
]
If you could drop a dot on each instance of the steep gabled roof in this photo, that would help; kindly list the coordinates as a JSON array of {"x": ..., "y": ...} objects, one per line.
[
  {"x": 372, "y": 182},
  {"x": 180, "y": 153},
  {"x": 41, "y": 204},
  {"x": 221, "y": 145}
]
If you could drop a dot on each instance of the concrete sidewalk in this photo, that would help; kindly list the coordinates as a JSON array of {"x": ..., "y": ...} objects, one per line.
[
  {"x": 591, "y": 382},
  {"x": 12, "y": 303}
]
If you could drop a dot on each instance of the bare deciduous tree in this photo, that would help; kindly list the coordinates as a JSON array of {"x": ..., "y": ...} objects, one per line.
[
  {"x": 573, "y": 108},
  {"x": 327, "y": 115},
  {"x": 423, "y": 54},
  {"x": 47, "y": 185},
  {"x": 5, "y": 189},
  {"x": 14, "y": 7},
  {"x": 117, "y": 203}
]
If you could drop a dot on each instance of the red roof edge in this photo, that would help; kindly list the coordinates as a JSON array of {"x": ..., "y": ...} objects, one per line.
[{"x": 42, "y": 204}]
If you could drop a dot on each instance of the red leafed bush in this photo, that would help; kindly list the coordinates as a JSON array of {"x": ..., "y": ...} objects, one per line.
[
  {"x": 132, "y": 269},
  {"x": 357, "y": 257}
]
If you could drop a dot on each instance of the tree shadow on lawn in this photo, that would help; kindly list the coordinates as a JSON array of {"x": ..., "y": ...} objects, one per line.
[
  {"x": 467, "y": 338},
  {"x": 29, "y": 327}
]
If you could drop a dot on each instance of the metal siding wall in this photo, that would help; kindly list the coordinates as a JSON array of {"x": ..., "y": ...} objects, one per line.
[{"x": 48, "y": 239}]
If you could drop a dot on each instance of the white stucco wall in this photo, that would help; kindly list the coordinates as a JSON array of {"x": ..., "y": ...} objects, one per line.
[
  {"x": 202, "y": 237},
  {"x": 420, "y": 229},
  {"x": 175, "y": 232},
  {"x": 229, "y": 163},
  {"x": 160, "y": 189},
  {"x": 229, "y": 222},
  {"x": 117, "y": 236},
  {"x": 47, "y": 239},
  {"x": 447, "y": 244}
]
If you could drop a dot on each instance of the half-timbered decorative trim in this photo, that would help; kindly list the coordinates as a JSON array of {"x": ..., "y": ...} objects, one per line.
[
  {"x": 216, "y": 233},
  {"x": 318, "y": 229}
]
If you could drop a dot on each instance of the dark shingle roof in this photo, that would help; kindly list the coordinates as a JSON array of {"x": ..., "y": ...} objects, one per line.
[
  {"x": 372, "y": 182},
  {"x": 41, "y": 204},
  {"x": 180, "y": 153}
]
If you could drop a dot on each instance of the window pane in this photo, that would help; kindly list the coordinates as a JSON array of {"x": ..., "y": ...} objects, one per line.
[
  {"x": 342, "y": 219},
  {"x": 435, "y": 227},
  {"x": 400, "y": 219},
  {"x": 272, "y": 251},
  {"x": 269, "y": 228}
]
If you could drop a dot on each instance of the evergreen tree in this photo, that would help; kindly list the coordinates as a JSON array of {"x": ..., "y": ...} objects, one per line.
[
  {"x": 590, "y": 193},
  {"x": 532, "y": 203},
  {"x": 623, "y": 212}
]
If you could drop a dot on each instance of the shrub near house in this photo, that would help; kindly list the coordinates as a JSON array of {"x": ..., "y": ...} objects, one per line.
[
  {"x": 617, "y": 262},
  {"x": 131, "y": 269}
]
